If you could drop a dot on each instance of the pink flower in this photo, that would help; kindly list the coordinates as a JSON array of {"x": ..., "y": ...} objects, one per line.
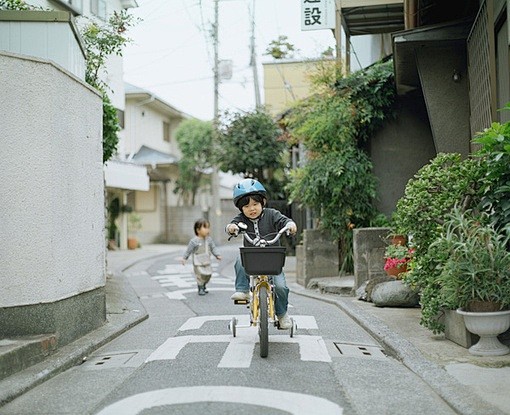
[{"x": 394, "y": 263}]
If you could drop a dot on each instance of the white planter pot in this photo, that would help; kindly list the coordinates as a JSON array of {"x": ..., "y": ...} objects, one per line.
[{"x": 488, "y": 326}]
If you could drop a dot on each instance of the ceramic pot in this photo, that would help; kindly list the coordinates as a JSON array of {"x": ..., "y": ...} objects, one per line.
[
  {"x": 488, "y": 325},
  {"x": 399, "y": 239},
  {"x": 395, "y": 271}
]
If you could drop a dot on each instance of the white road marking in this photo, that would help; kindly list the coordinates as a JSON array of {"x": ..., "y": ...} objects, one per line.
[
  {"x": 239, "y": 351},
  {"x": 173, "y": 345},
  {"x": 311, "y": 348},
  {"x": 179, "y": 294},
  {"x": 195, "y": 323},
  {"x": 291, "y": 402}
]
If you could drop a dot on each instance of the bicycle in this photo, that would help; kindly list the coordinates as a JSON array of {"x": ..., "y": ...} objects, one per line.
[{"x": 261, "y": 262}]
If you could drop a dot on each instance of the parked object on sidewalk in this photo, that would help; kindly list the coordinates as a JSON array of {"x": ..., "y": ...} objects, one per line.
[
  {"x": 488, "y": 325},
  {"x": 397, "y": 257},
  {"x": 394, "y": 294},
  {"x": 475, "y": 276}
]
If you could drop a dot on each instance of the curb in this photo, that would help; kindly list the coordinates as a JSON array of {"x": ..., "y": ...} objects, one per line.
[
  {"x": 76, "y": 352},
  {"x": 456, "y": 395}
]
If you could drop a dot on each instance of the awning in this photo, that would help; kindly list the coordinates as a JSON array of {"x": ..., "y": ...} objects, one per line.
[
  {"x": 366, "y": 17},
  {"x": 151, "y": 157},
  {"x": 127, "y": 176}
]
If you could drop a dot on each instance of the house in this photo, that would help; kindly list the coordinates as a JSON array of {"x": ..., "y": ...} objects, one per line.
[
  {"x": 451, "y": 75},
  {"x": 148, "y": 140}
]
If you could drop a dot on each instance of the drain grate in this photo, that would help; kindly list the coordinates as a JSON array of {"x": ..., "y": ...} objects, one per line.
[
  {"x": 110, "y": 361},
  {"x": 359, "y": 350}
]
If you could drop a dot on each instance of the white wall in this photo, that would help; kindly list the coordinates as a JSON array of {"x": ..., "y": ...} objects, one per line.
[
  {"x": 145, "y": 127},
  {"x": 51, "y": 182}
]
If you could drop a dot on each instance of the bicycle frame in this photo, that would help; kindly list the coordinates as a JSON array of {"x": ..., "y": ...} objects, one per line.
[{"x": 256, "y": 282}]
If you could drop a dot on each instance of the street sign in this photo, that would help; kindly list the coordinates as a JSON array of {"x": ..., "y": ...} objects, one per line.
[{"x": 317, "y": 14}]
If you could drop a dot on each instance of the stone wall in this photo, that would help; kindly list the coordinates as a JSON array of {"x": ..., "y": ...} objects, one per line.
[
  {"x": 368, "y": 246},
  {"x": 316, "y": 257}
]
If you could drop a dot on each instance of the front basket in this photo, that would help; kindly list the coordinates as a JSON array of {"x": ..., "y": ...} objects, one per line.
[{"x": 259, "y": 260}]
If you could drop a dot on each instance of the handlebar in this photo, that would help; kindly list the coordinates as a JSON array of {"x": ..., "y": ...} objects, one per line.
[{"x": 258, "y": 241}]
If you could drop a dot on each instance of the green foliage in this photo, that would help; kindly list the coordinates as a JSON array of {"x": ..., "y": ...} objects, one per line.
[
  {"x": 495, "y": 151},
  {"x": 280, "y": 48},
  {"x": 428, "y": 198},
  {"x": 397, "y": 251},
  {"x": 195, "y": 139},
  {"x": 15, "y": 5},
  {"x": 477, "y": 266},
  {"x": 250, "y": 144},
  {"x": 337, "y": 180},
  {"x": 372, "y": 92},
  {"x": 100, "y": 42},
  {"x": 110, "y": 128}
]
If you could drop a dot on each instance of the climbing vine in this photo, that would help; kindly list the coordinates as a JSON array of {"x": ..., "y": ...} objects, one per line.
[{"x": 333, "y": 125}]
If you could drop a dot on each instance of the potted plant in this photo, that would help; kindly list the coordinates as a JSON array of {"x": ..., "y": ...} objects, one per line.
[
  {"x": 134, "y": 225},
  {"x": 396, "y": 257},
  {"x": 475, "y": 277}
]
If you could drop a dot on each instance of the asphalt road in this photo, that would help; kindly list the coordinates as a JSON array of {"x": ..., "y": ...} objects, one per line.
[{"x": 184, "y": 360}]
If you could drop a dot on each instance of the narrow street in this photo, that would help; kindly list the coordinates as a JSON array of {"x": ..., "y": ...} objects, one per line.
[{"x": 184, "y": 360}]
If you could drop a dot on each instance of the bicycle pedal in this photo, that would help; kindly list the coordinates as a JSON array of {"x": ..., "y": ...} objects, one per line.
[{"x": 241, "y": 302}]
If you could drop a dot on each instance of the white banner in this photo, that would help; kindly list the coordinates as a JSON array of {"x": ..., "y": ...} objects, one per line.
[{"x": 317, "y": 14}]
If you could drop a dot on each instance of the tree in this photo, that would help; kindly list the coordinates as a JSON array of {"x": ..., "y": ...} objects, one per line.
[
  {"x": 195, "y": 141},
  {"x": 280, "y": 48},
  {"x": 250, "y": 144}
]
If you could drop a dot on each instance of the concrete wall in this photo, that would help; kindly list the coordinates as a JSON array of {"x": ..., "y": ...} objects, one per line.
[
  {"x": 316, "y": 257},
  {"x": 447, "y": 101},
  {"x": 52, "y": 216},
  {"x": 400, "y": 149},
  {"x": 368, "y": 248},
  {"x": 182, "y": 218}
]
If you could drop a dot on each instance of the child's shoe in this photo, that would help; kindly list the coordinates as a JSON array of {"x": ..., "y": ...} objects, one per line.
[
  {"x": 284, "y": 322},
  {"x": 240, "y": 296}
]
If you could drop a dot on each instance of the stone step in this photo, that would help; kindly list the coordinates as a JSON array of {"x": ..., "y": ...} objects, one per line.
[
  {"x": 343, "y": 286},
  {"x": 19, "y": 353}
]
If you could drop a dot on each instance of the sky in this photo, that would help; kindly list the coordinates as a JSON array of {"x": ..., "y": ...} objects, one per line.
[{"x": 172, "y": 55}]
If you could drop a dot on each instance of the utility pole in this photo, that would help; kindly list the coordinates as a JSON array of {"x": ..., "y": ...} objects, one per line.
[
  {"x": 253, "y": 60},
  {"x": 338, "y": 31},
  {"x": 215, "y": 217}
]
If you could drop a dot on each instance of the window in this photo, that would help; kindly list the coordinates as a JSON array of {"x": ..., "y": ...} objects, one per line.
[
  {"x": 166, "y": 131},
  {"x": 98, "y": 8},
  {"x": 120, "y": 116}
]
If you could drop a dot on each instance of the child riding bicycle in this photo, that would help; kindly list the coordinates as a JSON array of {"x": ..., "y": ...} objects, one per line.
[{"x": 250, "y": 197}]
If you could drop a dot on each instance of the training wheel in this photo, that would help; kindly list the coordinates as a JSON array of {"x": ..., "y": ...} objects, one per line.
[
  {"x": 232, "y": 326},
  {"x": 293, "y": 327}
]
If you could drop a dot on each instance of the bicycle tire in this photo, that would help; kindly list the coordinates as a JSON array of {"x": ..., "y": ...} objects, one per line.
[{"x": 263, "y": 325}]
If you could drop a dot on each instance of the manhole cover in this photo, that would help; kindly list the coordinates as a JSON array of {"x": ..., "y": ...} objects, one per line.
[{"x": 359, "y": 350}]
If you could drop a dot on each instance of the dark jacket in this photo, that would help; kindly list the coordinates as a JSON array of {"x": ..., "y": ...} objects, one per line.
[{"x": 266, "y": 225}]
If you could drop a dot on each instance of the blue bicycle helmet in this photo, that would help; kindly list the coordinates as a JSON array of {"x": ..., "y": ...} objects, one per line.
[{"x": 248, "y": 187}]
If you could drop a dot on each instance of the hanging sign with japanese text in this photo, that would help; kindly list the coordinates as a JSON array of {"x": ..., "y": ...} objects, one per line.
[{"x": 317, "y": 14}]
